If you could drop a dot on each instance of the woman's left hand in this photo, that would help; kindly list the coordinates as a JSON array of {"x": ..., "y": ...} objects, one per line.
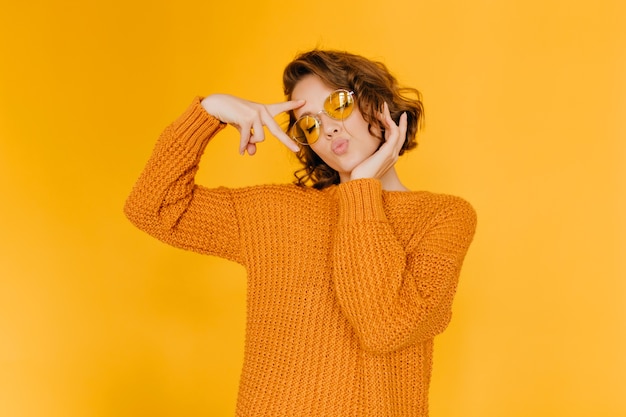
[{"x": 387, "y": 155}]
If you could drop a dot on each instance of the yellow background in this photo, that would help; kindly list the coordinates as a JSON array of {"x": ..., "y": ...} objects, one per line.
[{"x": 526, "y": 118}]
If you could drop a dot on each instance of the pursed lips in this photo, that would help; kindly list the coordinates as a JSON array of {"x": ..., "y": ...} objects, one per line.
[{"x": 339, "y": 146}]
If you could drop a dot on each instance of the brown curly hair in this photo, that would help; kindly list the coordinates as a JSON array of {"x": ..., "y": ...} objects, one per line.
[{"x": 373, "y": 85}]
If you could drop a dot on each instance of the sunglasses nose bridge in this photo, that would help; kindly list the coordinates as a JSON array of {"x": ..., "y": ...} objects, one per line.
[{"x": 329, "y": 125}]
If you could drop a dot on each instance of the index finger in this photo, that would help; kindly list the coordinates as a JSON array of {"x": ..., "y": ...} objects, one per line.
[
  {"x": 283, "y": 106},
  {"x": 275, "y": 109}
]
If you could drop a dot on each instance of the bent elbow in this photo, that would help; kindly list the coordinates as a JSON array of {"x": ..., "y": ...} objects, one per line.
[{"x": 388, "y": 339}]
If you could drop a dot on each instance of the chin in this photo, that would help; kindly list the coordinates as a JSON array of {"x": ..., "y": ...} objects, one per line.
[
  {"x": 346, "y": 163},
  {"x": 346, "y": 167}
]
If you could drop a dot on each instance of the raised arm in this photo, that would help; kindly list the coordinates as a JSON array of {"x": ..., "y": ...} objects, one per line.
[
  {"x": 397, "y": 294},
  {"x": 166, "y": 202}
]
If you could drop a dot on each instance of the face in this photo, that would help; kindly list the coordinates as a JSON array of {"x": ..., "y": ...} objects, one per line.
[{"x": 343, "y": 144}]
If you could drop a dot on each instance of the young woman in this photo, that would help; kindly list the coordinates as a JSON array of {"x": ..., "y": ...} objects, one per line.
[{"x": 350, "y": 275}]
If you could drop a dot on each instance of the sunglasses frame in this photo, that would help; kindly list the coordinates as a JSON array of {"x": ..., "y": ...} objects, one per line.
[{"x": 318, "y": 122}]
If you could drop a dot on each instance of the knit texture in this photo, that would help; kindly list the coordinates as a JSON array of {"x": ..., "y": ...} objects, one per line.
[{"x": 347, "y": 286}]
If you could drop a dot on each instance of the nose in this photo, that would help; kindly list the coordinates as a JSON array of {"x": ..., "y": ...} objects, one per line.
[{"x": 330, "y": 126}]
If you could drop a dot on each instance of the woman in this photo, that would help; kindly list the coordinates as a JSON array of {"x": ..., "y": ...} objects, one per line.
[{"x": 350, "y": 275}]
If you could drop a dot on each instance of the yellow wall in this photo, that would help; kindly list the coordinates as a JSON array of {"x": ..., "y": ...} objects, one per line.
[{"x": 526, "y": 118}]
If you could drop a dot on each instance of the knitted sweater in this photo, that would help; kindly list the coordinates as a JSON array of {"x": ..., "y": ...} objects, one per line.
[{"x": 347, "y": 286}]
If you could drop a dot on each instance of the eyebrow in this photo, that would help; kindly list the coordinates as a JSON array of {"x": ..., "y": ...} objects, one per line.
[{"x": 304, "y": 113}]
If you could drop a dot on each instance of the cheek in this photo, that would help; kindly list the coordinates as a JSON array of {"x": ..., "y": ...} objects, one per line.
[
  {"x": 320, "y": 150},
  {"x": 357, "y": 125},
  {"x": 359, "y": 130}
]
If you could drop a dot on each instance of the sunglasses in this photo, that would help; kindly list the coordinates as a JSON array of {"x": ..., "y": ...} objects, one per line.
[{"x": 338, "y": 105}]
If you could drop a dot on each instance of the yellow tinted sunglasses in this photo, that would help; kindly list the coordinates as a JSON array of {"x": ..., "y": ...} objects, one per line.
[{"x": 338, "y": 105}]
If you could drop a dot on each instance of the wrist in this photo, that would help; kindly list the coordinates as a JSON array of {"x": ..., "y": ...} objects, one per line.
[{"x": 211, "y": 105}]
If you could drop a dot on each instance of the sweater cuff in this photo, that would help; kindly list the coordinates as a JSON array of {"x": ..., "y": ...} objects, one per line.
[
  {"x": 361, "y": 200},
  {"x": 195, "y": 126}
]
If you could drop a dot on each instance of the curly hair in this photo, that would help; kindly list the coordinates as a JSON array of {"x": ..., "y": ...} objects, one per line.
[{"x": 373, "y": 85}]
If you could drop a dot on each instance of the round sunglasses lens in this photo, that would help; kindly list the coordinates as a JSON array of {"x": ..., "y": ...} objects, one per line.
[
  {"x": 306, "y": 130},
  {"x": 339, "y": 104}
]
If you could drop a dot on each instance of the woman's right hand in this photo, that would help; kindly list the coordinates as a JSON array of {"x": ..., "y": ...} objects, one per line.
[{"x": 249, "y": 118}]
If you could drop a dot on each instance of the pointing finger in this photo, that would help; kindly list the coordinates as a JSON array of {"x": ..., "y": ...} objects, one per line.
[
  {"x": 277, "y": 108},
  {"x": 275, "y": 129}
]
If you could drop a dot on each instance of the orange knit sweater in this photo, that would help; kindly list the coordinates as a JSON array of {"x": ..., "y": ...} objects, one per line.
[{"x": 347, "y": 286}]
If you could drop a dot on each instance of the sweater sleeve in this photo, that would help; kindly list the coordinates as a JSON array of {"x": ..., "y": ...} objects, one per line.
[
  {"x": 395, "y": 295},
  {"x": 167, "y": 204}
]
